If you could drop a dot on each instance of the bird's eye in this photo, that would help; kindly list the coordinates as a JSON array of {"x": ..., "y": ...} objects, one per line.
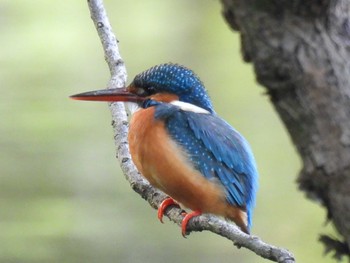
[{"x": 150, "y": 90}]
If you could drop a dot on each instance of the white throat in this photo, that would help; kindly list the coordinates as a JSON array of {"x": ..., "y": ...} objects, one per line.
[{"x": 132, "y": 107}]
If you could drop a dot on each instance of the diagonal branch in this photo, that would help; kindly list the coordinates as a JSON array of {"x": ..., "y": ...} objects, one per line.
[{"x": 141, "y": 185}]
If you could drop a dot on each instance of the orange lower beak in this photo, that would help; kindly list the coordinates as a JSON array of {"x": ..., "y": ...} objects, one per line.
[{"x": 108, "y": 95}]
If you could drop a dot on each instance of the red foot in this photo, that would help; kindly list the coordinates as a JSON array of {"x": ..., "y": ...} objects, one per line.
[
  {"x": 186, "y": 219},
  {"x": 164, "y": 205}
]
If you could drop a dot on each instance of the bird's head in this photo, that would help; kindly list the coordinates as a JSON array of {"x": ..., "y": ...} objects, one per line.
[{"x": 162, "y": 82}]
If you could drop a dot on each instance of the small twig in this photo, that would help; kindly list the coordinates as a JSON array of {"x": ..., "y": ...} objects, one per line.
[{"x": 141, "y": 185}]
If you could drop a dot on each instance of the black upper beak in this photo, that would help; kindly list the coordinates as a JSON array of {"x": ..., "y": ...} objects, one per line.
[{"x": 110, "y": 95}]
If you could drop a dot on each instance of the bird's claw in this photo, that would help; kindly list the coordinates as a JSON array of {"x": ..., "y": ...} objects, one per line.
[
  {"x": 163, "y": 206},
  {"x": 186, "y": 220},
  {"x": 187, "y": 216}
]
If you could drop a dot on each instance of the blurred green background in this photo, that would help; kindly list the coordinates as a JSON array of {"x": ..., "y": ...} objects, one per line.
[{"x": 62, "y": 195}]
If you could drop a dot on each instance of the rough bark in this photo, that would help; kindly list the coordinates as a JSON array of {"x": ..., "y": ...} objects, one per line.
[
  {"x": 141, "y": 185},
  {"x": 301, "y": 54}
]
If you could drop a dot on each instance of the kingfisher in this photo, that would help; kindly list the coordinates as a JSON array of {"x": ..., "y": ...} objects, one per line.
[{"x": 182, "y": 147}]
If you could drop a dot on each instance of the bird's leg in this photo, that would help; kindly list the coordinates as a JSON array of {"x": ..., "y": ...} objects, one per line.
[
  {"x": 187, "y": 219},
  {"x": 164, "y": 205}
]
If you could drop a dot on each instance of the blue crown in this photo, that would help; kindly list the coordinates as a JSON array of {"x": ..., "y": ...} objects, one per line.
[{"x": 176, "y": 79}]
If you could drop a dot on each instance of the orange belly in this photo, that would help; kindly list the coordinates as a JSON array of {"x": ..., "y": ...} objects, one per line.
[{"x": 165, "y": 165}]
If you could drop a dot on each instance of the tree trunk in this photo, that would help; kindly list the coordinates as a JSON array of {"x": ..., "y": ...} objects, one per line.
[{"x": 301, "y": 54}]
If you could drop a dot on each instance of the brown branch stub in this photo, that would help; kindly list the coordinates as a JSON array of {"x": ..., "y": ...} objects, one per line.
[{"x": 141, "y": 185}]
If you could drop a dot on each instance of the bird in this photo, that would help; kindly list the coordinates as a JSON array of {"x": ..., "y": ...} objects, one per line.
[{"x": 183, "y": 148}]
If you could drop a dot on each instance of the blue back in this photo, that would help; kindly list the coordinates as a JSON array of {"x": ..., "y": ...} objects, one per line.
[{"x": 216, "y": 150}]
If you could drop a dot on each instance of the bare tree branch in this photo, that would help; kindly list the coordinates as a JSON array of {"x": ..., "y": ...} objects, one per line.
[{"x": 141, "y": 185}]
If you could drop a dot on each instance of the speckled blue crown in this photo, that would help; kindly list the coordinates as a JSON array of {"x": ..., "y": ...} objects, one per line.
[{"x": 178, "y": 80}]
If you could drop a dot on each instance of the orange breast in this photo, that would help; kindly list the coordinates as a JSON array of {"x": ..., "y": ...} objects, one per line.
[{"x": 165, "y": 165}]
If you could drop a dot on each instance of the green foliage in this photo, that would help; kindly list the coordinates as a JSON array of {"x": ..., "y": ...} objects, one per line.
[{"x": 63, "y": 197}]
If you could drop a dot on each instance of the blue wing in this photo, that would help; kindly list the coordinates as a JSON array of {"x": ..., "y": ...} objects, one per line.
[{"x": 216, "y": 150}]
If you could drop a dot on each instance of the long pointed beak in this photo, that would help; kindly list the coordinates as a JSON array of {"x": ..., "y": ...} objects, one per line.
[{"x": 108, "y": 95}]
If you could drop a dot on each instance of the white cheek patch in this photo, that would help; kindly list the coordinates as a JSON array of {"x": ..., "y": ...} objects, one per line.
[
  {"x": 134, "y": 107},
  {"x": 189, "y": 107}
]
